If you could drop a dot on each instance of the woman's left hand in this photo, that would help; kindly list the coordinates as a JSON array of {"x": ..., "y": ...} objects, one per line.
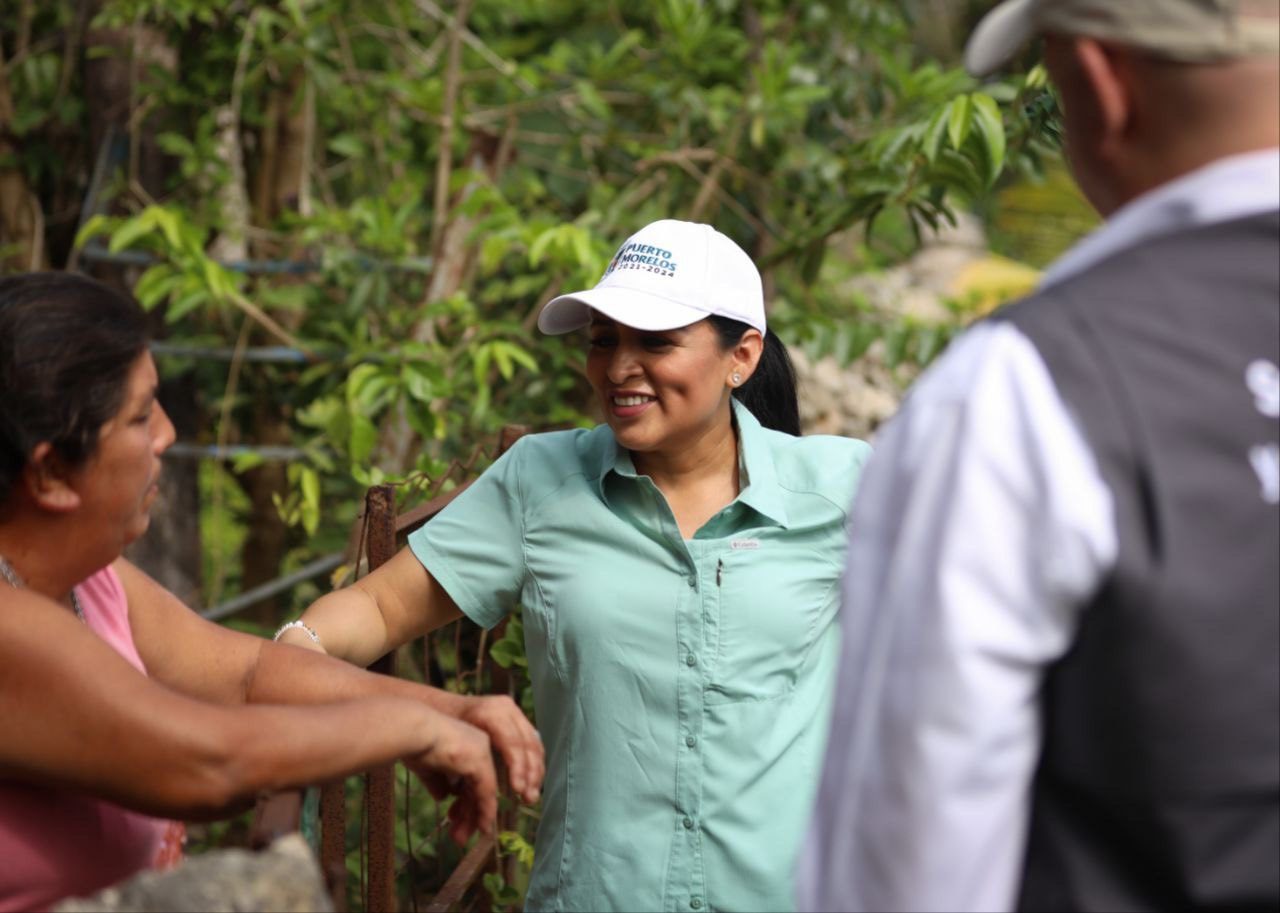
[{"x": 515, "y": 739}]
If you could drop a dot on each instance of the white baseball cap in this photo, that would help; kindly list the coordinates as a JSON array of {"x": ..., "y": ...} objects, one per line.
[{"x": 669, "y": 274}]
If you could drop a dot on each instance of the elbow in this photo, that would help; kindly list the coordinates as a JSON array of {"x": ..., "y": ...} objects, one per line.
[
  {"x": 215, "y": 777},
  {"x": 217, "y": 791}
]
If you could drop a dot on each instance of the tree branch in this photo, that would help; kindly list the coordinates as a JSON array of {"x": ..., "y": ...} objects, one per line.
[{"x": 444, "y": 163}]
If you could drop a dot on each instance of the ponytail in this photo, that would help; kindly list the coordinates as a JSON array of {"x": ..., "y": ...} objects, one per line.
[{"x": 770, "y": 392}]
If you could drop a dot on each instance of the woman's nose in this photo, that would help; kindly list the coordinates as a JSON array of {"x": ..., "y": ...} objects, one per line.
[
  {"x": 165, "y": 434},
  {"x": 623, "y": 365}
]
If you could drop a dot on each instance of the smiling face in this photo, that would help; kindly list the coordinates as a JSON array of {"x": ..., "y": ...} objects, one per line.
[
  {"x": 117, "y": 486},
  {"x": 662, "y": 390}
]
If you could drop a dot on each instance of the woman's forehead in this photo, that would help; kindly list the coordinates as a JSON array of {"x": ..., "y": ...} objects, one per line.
[
  {"x": 143, "y": 377},
  {"x": 604, "y": 321}
]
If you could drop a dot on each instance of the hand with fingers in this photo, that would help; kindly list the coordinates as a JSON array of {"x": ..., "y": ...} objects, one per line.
[
  {"x": 514, "y": 738},
  {"x": 460, "y": 763}
]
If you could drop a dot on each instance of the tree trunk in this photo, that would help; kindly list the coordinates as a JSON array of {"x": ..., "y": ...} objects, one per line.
[
  {"x": 21, "y": 218},
  {"x": 114, "y": 64},
  {"x": 453, "y": 256},
  {"x": 281, "y": 185}
]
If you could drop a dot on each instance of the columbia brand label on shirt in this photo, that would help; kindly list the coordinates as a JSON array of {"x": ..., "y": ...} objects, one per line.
[
  {"x": 645, "y": 257},
  {"x": 744, "y": 544}
]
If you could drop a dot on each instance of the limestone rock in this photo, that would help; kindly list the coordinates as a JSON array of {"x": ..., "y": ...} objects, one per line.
[
  {"x": 951, "y": 266},
  {"x": 285, "y": 876}
]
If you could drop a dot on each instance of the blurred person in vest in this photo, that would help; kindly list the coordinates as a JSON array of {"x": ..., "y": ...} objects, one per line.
[
  {"x": 1060, "y": 680},
  {"x": 120, "y": 708}
]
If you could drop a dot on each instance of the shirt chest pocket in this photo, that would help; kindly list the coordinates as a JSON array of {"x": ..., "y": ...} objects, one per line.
[{"x": 773, "y": 604}]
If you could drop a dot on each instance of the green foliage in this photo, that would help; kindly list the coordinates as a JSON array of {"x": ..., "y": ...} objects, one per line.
[
  {"x": 1037, "y": 218},
  {"x": 441, "y": 197},
  {"x": 508, "y": 650},
  {"x": 572, "y": 125}
]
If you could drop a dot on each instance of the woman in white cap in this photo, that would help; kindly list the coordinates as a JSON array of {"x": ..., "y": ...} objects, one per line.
[{"x": 678, "y": 570}]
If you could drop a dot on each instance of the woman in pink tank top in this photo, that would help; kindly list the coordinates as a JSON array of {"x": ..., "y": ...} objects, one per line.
[
  {"x": 56, "y": 843},
  {"x": 121, "y": 709}
]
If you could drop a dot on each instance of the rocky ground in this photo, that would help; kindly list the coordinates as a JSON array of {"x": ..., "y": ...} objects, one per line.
[{"x": 952, "y": 265}]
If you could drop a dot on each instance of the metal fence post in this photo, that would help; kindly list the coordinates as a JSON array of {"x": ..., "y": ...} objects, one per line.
[{"x": 380, "y": 789}]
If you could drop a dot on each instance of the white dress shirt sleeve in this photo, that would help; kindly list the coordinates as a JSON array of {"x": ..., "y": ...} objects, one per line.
[{"x": 980, "y": 528}]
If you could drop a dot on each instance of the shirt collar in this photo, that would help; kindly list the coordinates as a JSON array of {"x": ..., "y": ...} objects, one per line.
[
  {"x": 1231, "y": 188},
  {"x": 760, "y": 489}
]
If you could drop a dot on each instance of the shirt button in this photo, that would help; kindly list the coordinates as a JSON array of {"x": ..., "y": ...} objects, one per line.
[
  {"x": 692, "y": 580},
  {"x": 690, "y": 741},
  {"x": 691, "y": 660},
  {"x": 695, "y": 903},
  {"x": 688, "y": 824}
]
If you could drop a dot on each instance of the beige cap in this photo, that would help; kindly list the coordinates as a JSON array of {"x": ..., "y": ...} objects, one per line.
[{"x": 1186, "y": 30}]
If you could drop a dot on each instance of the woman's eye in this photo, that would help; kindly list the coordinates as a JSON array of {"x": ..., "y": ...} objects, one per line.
[
  {"x": 656, "y": 342},
  {"x": 602, "y": 342},
  {"x": 143, "y": 419}
]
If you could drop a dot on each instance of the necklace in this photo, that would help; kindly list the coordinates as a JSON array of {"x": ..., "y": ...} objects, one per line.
[{"x": 14, "y": 580}]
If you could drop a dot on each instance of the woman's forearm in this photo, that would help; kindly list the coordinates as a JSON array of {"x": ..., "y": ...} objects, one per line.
[
  {"x": 76, "y": 715},
  {"x": 286, "y": 675},
  {"x": 223, "y": 757},
  {"x": 353, "y": 627},
  {"x": 394, "y": 604}
]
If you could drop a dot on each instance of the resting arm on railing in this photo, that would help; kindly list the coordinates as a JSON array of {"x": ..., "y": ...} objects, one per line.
[
  {"x": 76, "y": 715},
  {"x": 394, "y": 604}
]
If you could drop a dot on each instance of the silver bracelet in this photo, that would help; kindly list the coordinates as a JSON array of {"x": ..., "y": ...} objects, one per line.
[{"x": 299, "y": 623}]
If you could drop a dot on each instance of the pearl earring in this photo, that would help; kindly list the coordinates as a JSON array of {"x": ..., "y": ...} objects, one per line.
[{"x": 737, "y": 378}]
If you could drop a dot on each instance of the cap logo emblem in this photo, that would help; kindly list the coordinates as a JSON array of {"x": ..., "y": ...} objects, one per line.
[{"x": 643, "y": 257}]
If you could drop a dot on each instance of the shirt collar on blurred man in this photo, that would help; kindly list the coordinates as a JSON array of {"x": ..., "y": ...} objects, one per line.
[{"x": 1230, "y": 188}]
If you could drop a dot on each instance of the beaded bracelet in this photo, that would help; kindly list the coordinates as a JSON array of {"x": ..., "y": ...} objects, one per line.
[{"x": 299, "y": 623}]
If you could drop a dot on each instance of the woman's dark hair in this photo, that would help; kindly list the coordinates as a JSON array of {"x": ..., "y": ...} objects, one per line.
[
  {"x": 770, "y": 393},
  {"x": 67, "y": 344}
]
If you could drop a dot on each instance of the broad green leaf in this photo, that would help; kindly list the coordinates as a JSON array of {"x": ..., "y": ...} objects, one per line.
[
  {"x": 591, "y": 99},
  {"x": 364, "y": 434},
  {"x": 132, "y": 230},
  {"x": 95, "y": 225},
  {"x": 503, "y": 360},
  {"x": 931, "y": 141},
  {"x": 169, "y": 225},
  {"x": 155, "y": 284},
  {"x": 521, "y": 356},
  {"x": 959, "y": 118},
  {"x": 990, "y": 126},
  {"x": 538, "y": 249},
  {"x": 417, "y": 383},
  {"x": 348, "y": 145},
  {"x": 245, "y": 461},
  {"x": 310, "y": 485},
  {"x": 185, "y": 303}
]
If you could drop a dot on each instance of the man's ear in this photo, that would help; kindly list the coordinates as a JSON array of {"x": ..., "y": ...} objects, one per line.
[
  {"x": 48, "y": 480},
  {"x": 1104, "y": 72}
]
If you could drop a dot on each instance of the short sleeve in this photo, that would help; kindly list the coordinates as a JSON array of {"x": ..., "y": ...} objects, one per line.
[{"x": 475, "y": 546}]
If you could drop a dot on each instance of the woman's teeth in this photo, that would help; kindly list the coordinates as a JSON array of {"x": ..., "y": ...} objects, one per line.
[{"x": 631, "y": 400}]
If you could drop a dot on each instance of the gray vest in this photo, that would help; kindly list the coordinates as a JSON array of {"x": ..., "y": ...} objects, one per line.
[{"x": 1159, "y": 783}]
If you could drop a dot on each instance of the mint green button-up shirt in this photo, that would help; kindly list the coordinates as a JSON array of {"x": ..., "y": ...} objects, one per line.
[{"x": 681, "y": 686}]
